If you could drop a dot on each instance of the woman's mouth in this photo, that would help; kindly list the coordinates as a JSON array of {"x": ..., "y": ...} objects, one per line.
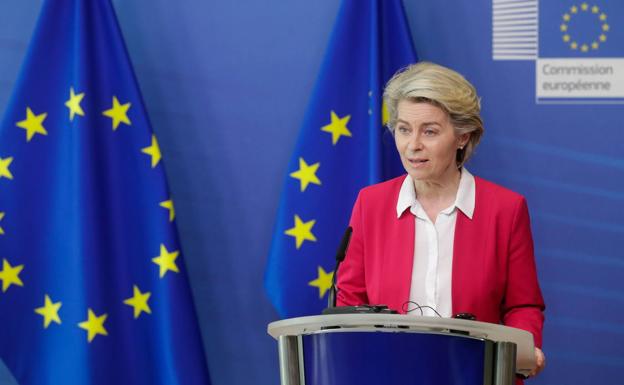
[{"x": 417, "y": 162}]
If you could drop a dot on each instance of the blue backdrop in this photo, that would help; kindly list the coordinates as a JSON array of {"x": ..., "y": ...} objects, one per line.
[{"x": 226, "y": 85}]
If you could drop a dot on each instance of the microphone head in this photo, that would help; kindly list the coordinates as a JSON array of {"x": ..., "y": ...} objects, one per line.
[{"x": 344, "y": 244}]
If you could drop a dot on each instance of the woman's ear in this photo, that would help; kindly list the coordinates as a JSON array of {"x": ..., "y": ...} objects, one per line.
[{"x": 463, "y": 140}]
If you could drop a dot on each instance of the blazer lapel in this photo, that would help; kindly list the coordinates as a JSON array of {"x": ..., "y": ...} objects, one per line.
[
  {"x": 468, "y": 255},
  {"x": 398, "y": 262}
]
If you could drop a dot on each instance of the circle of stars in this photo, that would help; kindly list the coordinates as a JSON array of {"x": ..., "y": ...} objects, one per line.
[
  {"x": 94, "y": 325},
  {"x": 584, "y": 46}
]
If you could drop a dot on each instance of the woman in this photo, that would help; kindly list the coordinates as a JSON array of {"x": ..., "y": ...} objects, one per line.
[{"x": 439, "y": 237}]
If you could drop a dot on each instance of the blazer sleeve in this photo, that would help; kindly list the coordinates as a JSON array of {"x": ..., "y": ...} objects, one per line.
[
  {"x": 351, "y": 280},
  {"x": 523, "y": 304}
]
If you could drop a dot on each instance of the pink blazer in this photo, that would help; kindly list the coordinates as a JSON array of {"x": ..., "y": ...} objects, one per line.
[{"x": 493, "y": 275}]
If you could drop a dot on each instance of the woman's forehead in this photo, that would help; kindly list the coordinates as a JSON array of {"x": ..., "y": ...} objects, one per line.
[{"x": 410, "y": 111}]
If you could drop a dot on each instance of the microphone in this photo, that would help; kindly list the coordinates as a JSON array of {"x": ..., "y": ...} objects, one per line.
[
  {"x": 331, "y": 299},
  {"x": 341, "y": 253},
  {"x": 340, "y": 256}
]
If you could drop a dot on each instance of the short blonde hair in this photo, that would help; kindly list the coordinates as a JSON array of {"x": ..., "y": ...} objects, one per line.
[{"x": 444, "y": 88}]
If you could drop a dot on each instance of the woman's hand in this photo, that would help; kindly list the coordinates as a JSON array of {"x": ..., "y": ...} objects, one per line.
[{"x": 540, "y": 361}]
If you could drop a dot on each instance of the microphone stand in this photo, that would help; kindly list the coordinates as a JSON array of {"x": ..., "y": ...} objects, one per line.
[
  {"x": 333, "y": 291},
  {"x": 340, "y": 256}
]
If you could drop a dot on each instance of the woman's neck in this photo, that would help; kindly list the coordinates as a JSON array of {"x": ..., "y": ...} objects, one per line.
[{"x": 441, "y": 189}]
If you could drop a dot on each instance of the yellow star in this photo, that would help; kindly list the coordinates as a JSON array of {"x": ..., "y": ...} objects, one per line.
[
  {"x": 9, "y": 275},
  {"x": 595, "y": 9},
  {"x": 302, "y": 231},
  {"x": 573, "y": 9},
  {"x": 563, "y": 27},
  {"x": 73, "y": 103},
  {"x": 584, "y": 6},
  {"x": 337, "y": 127},
  {"x": 1, "y": 217},
  {"x": 603, "y": 38},
  {"x": 168, "y": 204},
  {"x": 595, "y": 45},
  {"x": 153, "y": 151},
  {"x": 573, "y": 45},
  {"x": 385, "y": 115},
  {"x": 584, "y": 48},
  {"x": 566, "y": 17},
  {"x": 605, "y": 27},
  {"x": 603, "y": 16},
  {"x": 94, "y": 325},
  {"x": 306, "y": 174},
  {"x": 139, "y": 302},
  {"x": 118, "y": 113},
  {"x": 33, "y": 124},
  {"x": 323, "y": 281},
  {"x": 49, "y": 311},
  {"x": 166, "y": 261},
  {"x": 566, "y": 38},
  {"x": 4, "y": 167}
]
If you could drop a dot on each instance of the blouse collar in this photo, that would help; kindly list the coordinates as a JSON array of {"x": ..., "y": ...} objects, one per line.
[{"x": 464, "y": 200}]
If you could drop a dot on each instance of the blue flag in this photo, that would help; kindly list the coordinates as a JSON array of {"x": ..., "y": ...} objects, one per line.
[
  {"x": 94, "y": 287},
  {"x": 342, "y": 147}
]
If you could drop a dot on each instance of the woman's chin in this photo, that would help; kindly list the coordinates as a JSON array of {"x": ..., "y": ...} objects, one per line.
[{"x": 419, "y": 175}]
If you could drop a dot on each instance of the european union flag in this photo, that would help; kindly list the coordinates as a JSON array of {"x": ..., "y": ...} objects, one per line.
[
  {"x": 573, "y": 28},
  {"x": 342, "y": 147},
  {"x": 94, "y": 288}
]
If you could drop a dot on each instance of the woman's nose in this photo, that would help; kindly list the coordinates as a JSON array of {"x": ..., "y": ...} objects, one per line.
[{"x": 414, "y": 143}]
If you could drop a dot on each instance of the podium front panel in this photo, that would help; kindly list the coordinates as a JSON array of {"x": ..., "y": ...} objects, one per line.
[{"x": 372, "y": 358}]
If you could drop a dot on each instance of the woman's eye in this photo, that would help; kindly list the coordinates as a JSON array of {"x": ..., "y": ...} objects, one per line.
[
  {"x": 429, "y": 132},
  {"x": 403, "y": 129}
]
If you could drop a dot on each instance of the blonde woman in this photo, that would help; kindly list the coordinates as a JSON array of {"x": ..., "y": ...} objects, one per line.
[{"x": 438, "y": 236}]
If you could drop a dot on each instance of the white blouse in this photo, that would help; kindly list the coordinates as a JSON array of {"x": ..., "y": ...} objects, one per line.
[{"x": 433, "y": 246}]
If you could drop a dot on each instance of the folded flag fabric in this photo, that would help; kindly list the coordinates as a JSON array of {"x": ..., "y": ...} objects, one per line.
[
  {"x": 342, "y": 147},
  {"x": 94, "y": 286}
]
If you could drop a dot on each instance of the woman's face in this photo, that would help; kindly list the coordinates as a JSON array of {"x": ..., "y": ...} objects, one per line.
[{"x": 426, "y": 141}]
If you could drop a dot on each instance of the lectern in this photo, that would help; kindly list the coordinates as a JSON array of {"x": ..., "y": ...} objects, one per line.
[{"x": 393, "y": 349}]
